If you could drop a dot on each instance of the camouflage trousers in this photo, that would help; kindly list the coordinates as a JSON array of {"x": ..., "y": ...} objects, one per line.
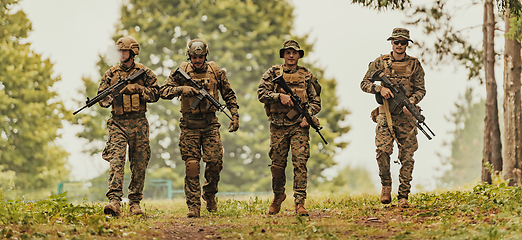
[
  {"x": 282, "y": 138},
  {"x": 132, "y": 130},
  {"x": 406, "y": 133},
  {"x": 196, "y": 144}
]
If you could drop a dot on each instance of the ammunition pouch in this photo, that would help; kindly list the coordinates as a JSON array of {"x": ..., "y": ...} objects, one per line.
[{"x": 198, "y": 121}]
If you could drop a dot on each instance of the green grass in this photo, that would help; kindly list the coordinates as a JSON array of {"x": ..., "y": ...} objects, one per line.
[{"x": 484, "y": 212}]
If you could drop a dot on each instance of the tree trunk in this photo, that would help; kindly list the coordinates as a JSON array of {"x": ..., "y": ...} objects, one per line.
[
  {"x": 512, "y": 107},
  {"x": 492, "y": 152}
]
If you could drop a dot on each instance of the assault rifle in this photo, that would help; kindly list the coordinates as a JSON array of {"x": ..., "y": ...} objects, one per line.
[
  {"x": 399, "y": 99},
  {"x": 202, "y": 93},
  {"x": 299, "y": 105},
  {"x": 114, "y": 90}
]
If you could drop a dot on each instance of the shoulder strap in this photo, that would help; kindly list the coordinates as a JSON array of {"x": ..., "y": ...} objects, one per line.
[{"x": 215, "y": 69}]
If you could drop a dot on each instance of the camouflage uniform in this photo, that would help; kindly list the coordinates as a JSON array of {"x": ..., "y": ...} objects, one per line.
[
  {"x": 287, "y": 133},
  {"x": 409, "y": 71},
  {"x": 200, "y": 137},
  {"x": 128, "y": 126}
]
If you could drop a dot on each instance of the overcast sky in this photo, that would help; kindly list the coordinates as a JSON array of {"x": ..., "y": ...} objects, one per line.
[{"x": 72, "y": 33}]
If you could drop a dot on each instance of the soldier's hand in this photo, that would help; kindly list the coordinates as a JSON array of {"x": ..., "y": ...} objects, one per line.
[
  {"x": 304, "y": 123},
  {"x": 234, "y": 124},
  {"x": 405, "y": 109},
  {"x": 286, "y": 100},
  {"x": 188, "y": 91},
  {"x": 131, "y": 89},
  {"x": 386, "y": 93},
  {"x": 107, "y": 101}
]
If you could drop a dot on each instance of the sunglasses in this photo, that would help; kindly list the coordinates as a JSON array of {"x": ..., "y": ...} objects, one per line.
[{"x": 402, "y": 42}]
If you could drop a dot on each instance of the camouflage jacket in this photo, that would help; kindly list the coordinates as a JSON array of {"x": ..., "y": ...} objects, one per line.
[
  {"x": 417, "y": 78},
  {"x": 168, "y": 89},
  {"x": 150, "y": 92},
  {"x": 266, "y": 94}
]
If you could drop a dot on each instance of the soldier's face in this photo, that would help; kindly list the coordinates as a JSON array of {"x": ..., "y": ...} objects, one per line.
[
  {"x": 291, "y": 57},
  {"x": 399, "y": 45},
  {"x": 124, "y": 55},
  {"x": 197, "y": 61}
]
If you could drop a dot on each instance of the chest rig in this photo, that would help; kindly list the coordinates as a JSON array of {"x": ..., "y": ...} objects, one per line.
[
  {"x": 296, "y": 82},
  {"x": 400, "y": 71},
  {"x": 127, "y": 103},
  {"x": 208, "y": 80}
]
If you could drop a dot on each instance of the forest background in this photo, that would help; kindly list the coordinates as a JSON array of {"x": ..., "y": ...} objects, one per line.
[{"x": 340, "y": 39}]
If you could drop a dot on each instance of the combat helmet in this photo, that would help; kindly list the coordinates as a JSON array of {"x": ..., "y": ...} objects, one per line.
[
  {"x": 128, "y": 43},
  {"x": 197, "y": 47}
]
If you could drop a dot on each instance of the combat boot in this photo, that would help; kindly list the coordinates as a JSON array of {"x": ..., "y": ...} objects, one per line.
[
  {"x": 113, "y": 208},
  {"x": 301, "y": 210},
  {"x": 211, "y": 202},
  {"x": 386, "y": 194},
  {"x": 193, "y": 213},
  {"x": 275, "y": 207},
  {"x": 403, "y": 203},
  {"x": 135, "y": 208}
]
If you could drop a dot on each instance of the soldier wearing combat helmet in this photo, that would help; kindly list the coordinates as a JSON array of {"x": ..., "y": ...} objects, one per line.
[
  {"x": 200, "y": 126},
  {"x": 289, "y": 129},
  {"x": 398, "y": 125},
  {"x": 128, "y": 126}
]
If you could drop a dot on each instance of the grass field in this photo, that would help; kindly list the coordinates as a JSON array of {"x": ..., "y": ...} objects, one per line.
[{"x": 483, "y": 212}]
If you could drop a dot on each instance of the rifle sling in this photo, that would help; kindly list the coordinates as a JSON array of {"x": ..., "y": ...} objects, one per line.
[{"x": 389, "y": 121}]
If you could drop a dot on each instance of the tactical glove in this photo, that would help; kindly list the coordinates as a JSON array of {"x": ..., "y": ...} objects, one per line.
[
  {"x": 107, "y": 101},
  {"x": 188, "y": 91},
  {"x": 132, "y": 88}
]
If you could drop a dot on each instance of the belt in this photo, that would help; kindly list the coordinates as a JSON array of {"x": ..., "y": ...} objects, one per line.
[
  {"x": 129, "y": 116},
  {"x": 207, "y": 115}
]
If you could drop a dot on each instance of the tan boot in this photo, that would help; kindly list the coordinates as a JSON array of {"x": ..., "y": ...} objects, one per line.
[
  {"x": 386, "y": 194},
  {"x": 403, "y": 203},
  {"x": 211, "y": 202},
  {"x": 301, "y": 210},
  {"x": 275, "y": 207},
  {"x": 193, "y": 213},
  {"x": 113, "y": 208},
  {"x": 135, "y": 208}
]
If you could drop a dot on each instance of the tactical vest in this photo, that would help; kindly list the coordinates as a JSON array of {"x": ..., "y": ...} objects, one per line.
[
  {"x": 131, "y": 103},
  {"x": 208, "y": 80},
  {"x": 296, "y": 82},
  {"x": 400, "y": 71}
]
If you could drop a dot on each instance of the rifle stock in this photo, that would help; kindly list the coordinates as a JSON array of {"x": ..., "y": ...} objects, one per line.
[
  {"x": 299, "y": 106},
  {"x": 114, "y": 90},
  {"x": 400, "y": 99},
  {"x": 203, "y": 93}
]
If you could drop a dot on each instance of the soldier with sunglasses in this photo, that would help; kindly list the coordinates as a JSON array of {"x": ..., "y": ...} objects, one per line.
[{"x": 397, "y": 125}]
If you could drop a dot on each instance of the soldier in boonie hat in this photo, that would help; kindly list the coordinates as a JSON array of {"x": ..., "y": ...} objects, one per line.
[
  {"x": 400, "y": 32},
  {"x": 291, "y": 44}
]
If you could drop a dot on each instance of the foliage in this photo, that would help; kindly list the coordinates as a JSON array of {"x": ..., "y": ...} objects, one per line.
[
  {"x": 384, "y": 4},
  {"x": 350, "y": 180},
  {"x": 244, "y": 38},
  {"x": 30, "y": 115},
  {"x": 483, "y": 212},
  {"x": 468, "y": 136}
]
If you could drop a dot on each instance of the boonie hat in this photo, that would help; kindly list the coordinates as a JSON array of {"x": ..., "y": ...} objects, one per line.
[
  {"x": 400, "y": 32},
  {"x": 293, "y": 45}
]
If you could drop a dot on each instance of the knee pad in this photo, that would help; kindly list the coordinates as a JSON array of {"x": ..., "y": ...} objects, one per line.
[
  {"x": 277, "y": 171},
  {"x": 192, "y": 168}
]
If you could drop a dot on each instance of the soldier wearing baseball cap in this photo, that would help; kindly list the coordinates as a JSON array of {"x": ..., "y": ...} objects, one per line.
[{"x": 395, "y": 125}]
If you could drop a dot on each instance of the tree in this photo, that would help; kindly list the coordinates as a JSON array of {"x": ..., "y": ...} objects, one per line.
[
  {"x": 244, "y": 38},
  {"x": 30, "y": 116},
  {"x": 512, "y": 105},
  {"x": 492, "y": 151},
  {"x": 464, "y": 163}
]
